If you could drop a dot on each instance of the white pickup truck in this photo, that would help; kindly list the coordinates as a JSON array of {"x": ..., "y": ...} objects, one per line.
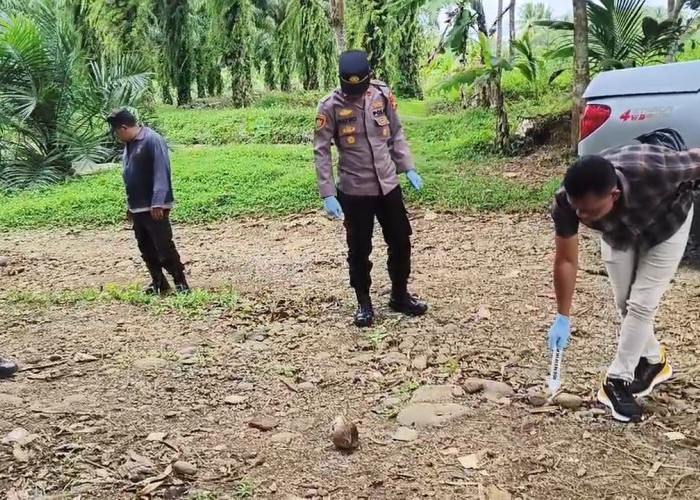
[{"x": 626, "y": 105}]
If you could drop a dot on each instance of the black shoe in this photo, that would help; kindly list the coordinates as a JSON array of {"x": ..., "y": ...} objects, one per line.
[
  {"x": 364, "y": 316},
  {"x": 407, "y": 304},
  {"x": 160, "y": 287},
  {"x": 7, "y": 368},
  {"x": 181, "y": 286},
  {"x": 647, "y": 376},
  {"x": 616, "y": 395}
]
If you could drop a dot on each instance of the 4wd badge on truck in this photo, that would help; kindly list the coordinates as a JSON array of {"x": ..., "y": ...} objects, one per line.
[{"x": 645, "y": 114}]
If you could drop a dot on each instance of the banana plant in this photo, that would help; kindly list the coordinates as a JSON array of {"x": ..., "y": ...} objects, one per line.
[
  {"x": 532, "y": 67},
  {"x": 490, "y": 73}
]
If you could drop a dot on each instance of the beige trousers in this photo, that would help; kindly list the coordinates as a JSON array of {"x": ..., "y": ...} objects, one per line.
[{"x": 639, "y": 280}]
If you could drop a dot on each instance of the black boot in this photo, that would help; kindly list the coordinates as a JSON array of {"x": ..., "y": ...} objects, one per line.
[
  {"x": 159, "y": 284},
  {"x": 364, "y": 316},
  {"x": 7, "y": 368},
  {"x": 404, "y": 303},
  {"x": 181, "y": 286}
]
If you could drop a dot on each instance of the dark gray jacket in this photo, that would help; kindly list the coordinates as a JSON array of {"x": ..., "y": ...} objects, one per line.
[{"x": 147, "y": 175}]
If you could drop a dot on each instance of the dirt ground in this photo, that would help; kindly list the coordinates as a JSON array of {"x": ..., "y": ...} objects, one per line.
[{"x": 118, "y": 393}]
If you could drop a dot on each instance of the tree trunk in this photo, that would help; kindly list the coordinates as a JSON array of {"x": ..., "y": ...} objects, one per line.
[
  {"x": 503, "y": 132},
  {"x": 499, "y": 29},
  {"x": 581, "y": 67},
  {"x": 674, "y": 11},
  {"x": 483, "y": 96},
  {"x": 165, "y": 93},
  {"x": 511, "y": 26},
  {"x": 338, "y": 23}
]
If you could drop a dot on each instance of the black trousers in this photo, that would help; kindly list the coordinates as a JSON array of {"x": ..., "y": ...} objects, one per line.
[
  {"x": 155, "y": 241},
  {"x": 391, "y": 214}
]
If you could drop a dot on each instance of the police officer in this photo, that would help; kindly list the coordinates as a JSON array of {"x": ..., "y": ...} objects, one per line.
[{"x": 360, "y": 118}]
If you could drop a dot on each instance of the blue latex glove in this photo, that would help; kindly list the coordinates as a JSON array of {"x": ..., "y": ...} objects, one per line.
[
  {"x": 559, "y": 333},
  {"x": 333, "y": 207},
  {"x": 415, "y": 180}
]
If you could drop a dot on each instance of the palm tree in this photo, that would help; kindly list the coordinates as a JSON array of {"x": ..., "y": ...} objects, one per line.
[
  {"x": 581, "y": 69},
  {"x": 531, "y": 12},
  {"x": 338, "y": 23},
  {"x": 53, "y": 100},
  {"x": 620, "y": 35},
  {"x": 234, "y": 29},
  {"x": 310, "y": 40},
  {"x": 174, "y": 16}
]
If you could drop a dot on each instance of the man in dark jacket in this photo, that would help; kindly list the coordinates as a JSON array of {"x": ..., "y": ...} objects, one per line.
[{"x": 150, "y": 199}]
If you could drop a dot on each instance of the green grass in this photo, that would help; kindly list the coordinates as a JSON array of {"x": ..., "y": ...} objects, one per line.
[
  {"x": 244, "y": 170},
  {"x": 196, "y": 303}
]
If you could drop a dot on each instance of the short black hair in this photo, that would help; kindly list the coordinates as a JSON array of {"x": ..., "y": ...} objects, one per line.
[
  {"x": 121, "y": 118},
  {"x": 590, "y": 174}
]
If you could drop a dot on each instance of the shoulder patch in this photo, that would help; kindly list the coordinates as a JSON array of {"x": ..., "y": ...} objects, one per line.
[
  {"x": 320, "y": 121},
  {"x": 392, "y": 100}
]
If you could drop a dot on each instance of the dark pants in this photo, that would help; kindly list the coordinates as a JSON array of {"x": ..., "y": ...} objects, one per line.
[
  {"x": 390, "y": 211},
  {"x": 155, "y": 241}
]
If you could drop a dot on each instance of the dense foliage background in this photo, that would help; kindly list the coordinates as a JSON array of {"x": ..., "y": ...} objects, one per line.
[{"x": 66, "y": 63}]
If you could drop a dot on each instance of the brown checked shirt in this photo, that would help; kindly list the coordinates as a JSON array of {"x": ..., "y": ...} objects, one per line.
[
  {"x": 656, "y": 184},
  {"x": 371, "y": 145}
]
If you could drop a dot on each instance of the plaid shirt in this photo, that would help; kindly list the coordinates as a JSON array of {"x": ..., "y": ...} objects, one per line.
[{"x": 656, "y": 184}]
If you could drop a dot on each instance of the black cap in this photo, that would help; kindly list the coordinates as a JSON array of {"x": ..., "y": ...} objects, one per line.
[
  {"x": 354, "y": 72},
  {"x": 121, "y": 118}
]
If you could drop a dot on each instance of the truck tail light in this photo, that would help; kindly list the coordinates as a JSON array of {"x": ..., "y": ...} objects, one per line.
[{"x": 594, "y": 116}]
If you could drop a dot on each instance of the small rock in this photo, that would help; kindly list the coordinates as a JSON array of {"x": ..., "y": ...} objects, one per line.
[
  {"x": 490, "y": 387},
  {"x": 322, "y": 493},
  {"x": 9, "y": 401},
  {"x": 20, "y": 454},
  {"x": 343, "y": 434},
  {"x": 483, "y": 313},
  {"x": 55, "y": 357},
  {"x": 4, "y": 261},
  {"x": 150, "y": 363},
  {"x": 420, "y": 362},
  {"x": 581, "y": 472},
  {"x": 283, "y": 437},
  {"x": 188, "y": 351},
  {"x": 587, "y": 435},
  {"x": 394, "y": 358},
  {"x": 427, "y": 414},
  {"x": 263, "y": 423},
  {"x": 473, "y": 386},
  {"x": 235, "y": 399},
  {"x": 391, "y": 402},
  {"x": 273, "y": 488},
  {"x": 189, "y": 361},
  {"x": 19, "y": 436},
  {"x": 306, "y": 387},
  {"x": 259, "y": 337},
  {"x": 457, "y": 392},
  {"x": 82, "y": 357},
  {"x": 433, "y": 394},
  {"x": 494, "y": 493},
  {"x": 245, "y": 386},
  {"x": 184, "y": 468},
  {"x": 568, "y": 401},
  {"x": 311, "y": 492},
  {"x": 405, "y": 434},
  {"x": 536, "y": 399},
  {"x": 156, "y": 436}
]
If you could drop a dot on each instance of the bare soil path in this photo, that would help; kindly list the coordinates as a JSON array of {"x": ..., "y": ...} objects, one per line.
[{"x": 120, "y": 392}]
